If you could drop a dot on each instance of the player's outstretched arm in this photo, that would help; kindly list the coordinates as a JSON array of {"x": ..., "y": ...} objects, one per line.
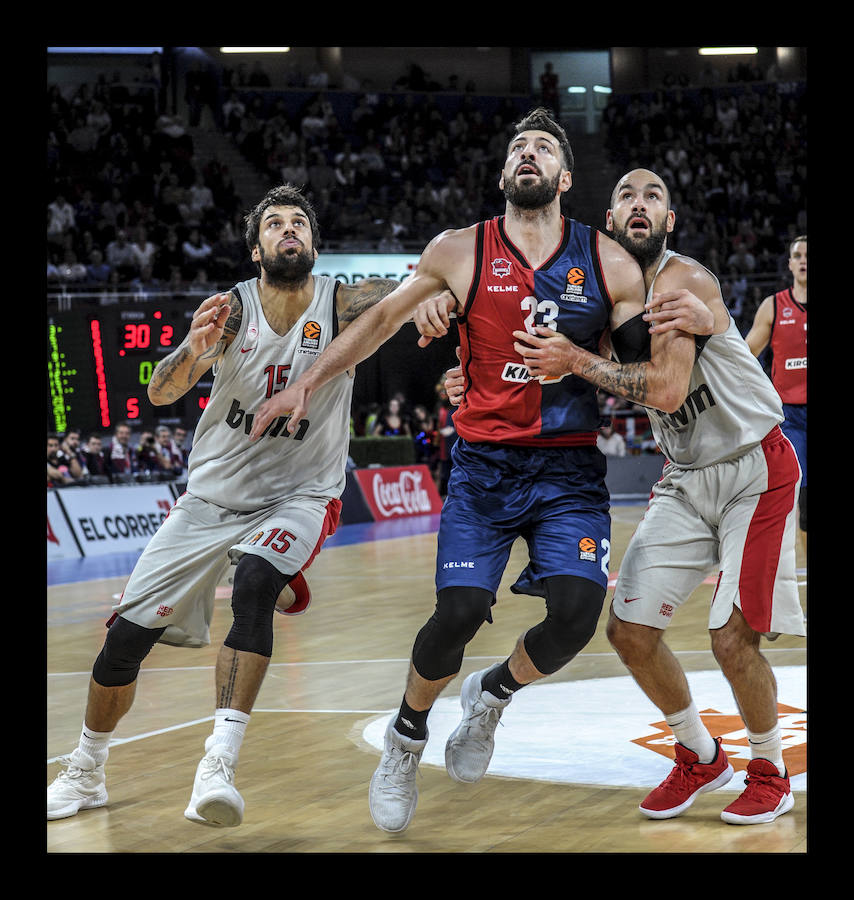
[{"x": 362, "y": 337}]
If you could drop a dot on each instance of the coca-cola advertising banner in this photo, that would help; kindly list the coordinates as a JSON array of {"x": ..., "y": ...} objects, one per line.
[{"x": 399, "y": 491}]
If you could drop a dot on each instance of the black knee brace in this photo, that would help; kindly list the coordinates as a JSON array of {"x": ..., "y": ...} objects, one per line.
[
  {"x": 802, "y": 509},
  {"x": 439, "y": 646},
  {"x": 573, "y": 607},
  {"x": 257, "y": 585},
  {"x": 125, "y": 648}
]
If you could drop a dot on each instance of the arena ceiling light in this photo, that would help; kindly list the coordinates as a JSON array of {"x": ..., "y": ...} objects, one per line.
[
  {"x": 727, "y": 51},
  {"x": 254, "y": 49}
]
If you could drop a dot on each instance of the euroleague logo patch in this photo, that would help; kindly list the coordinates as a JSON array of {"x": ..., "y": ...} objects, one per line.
[
  {"x": 310, "y": 336},
  {"x": 730, "y": 729},
  {"x": 575, "y": 279},
  {"x": 587, "y": 549}
]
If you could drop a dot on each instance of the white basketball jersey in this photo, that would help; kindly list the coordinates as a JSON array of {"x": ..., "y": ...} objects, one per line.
[
  {"x": 731, "y": 403},
  {"x": 228, "y": 469}
]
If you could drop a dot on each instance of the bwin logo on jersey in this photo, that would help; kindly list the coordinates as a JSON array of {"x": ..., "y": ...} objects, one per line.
[{"x": 519, "y": 374}]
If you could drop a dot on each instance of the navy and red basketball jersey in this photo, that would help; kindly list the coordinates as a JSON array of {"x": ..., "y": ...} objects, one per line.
[
  {"x": 502, "y": 402},
  {"x": 789, "y": 348}
]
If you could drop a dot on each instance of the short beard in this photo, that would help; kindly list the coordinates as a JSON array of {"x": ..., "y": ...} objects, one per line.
[
  {"x": 645, "y": 251},
  {"x": 289, "y": 269},
  {"x": 531, "y": 196}
]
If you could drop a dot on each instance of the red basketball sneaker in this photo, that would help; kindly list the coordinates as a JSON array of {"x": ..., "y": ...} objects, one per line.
[
  {"x": 766, "y": 796},
  {"x": 295, "y": 596},
  {"x": 688, "y": 778}
]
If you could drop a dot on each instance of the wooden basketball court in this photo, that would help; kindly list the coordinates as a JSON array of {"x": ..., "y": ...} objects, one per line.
[{"x": 305, "y": 764}]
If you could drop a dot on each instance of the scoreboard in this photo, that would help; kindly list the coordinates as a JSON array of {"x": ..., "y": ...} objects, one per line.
[{"x": 99, "y": 364}]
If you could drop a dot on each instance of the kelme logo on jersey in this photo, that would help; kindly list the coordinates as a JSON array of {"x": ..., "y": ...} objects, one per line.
[
  {"x": 501, "y": 267},
  {"x": 519, "y": 374},
  {"x": 310, "y": 336}
]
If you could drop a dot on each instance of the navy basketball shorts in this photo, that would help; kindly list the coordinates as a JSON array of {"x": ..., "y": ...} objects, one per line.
[
  {"x": 794, "y": 427},
  {"x": 554, "y": 498}
]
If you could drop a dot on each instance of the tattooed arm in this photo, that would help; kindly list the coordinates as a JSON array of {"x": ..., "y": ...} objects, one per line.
[
  {"x": 214, "y": 325},
  {"x": 354, "y": 299},
  {"x": 661, "y": 383}
]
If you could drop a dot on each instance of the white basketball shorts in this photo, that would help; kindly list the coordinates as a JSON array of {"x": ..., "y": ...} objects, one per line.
[
  {"x": 736, "y": 518},
  {"x": 174, "y": 581}
]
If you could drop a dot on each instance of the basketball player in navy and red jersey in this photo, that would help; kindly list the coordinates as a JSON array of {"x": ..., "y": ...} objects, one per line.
[
  {"x": 781, "y": 325},
  {"x": 526, "y": 461}
]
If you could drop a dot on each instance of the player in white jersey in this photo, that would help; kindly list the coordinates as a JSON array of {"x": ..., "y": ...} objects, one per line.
[
  {"x": 726, "y": 503},
  {"x": 263, "y": 507}
]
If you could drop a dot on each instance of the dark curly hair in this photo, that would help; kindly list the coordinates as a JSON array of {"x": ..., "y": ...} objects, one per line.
[
  {"x": 539, "y": 119},
  {"x": 283, "y": 195}
]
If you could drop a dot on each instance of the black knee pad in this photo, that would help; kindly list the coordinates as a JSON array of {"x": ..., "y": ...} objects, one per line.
[
  {"x": 257, "y": 585},
  {"x": 439, "y": 646},
  {"x": 573, "y": 608},
  {"x": 802, "y": 509},
  {"x": 125, "y": 648}
]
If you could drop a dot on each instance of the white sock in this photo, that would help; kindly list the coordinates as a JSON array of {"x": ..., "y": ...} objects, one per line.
[
  {"x": 689, "y": 730},
  {"x": 768, "y": 745},
  {"x": 229, "y": 728},
  {"x": 95, "y": 744}
]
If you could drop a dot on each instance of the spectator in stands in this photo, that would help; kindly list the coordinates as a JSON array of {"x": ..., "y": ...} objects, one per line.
[
  {"x": 97, "y": 464},
  {"x": 149, "y": 459},
  {"x": 233, "y": 111},
  {"x": 391, "y": 421},
  {"x": 197, "y": 251},
  {"x": 97, "y": 271},
  {"x": 113, "y": 215},
  {"x": 120, "y": 256},
  {"x": 423, "y": 435},
  {"x": 742, "y": 260},
  {"x": 121, "y": 460},
  {"x": 57, "y": 467},
  {"x": 200, "y": 283},
  {"x": 69, "y": 453},
  {"x": 168, "y": 257},
  {"x": 142, "y": 249},
  {"x": 169, "y": 450},
  {"x": 72, "y": 272},
  {"x": 294, "y": 170},
  {"x": 171, "y": 203},
  {"x": 61, "y": 219},
  {"x": 180, "y": 439},
  {"x": 200, "y": 201},
  {"x": 146, "y": 282},
  {"x": 610, "y": 441},
  {"x": 321, "y": 176},
  {"x": 227, "y": 254}
]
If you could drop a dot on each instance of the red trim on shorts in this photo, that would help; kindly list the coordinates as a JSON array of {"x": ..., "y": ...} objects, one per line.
[
  {"x": 765, "y": 534},
  {"x": 329, "y": 527}
]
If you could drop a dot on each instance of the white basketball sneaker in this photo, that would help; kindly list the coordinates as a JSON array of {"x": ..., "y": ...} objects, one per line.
[
  {"x": 469, "y": 748},
  {"x": 215, "y": 800},
  {"x": 79, "y": 786},
  {"x": 393, "y": 793}
]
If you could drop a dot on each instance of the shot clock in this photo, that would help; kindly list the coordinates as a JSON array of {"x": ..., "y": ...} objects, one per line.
[{"x": 100, "y": 363}]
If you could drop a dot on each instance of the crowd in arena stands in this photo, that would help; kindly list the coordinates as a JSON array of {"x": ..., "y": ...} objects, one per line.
[
  {"x": 134, "y": 209},
  {"x": 158, "y": 454}
]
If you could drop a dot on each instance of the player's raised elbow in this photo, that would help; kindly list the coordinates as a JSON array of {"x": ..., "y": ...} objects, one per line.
[
  {"x": 669, "y": 398},
  {"x": 157, "y": 396}
]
